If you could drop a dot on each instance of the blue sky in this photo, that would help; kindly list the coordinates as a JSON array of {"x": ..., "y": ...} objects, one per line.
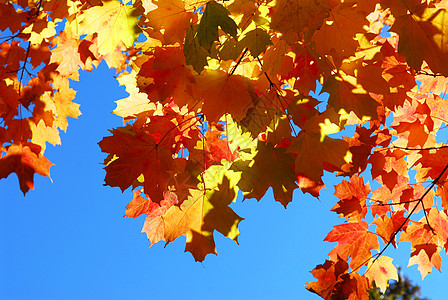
[{"x": 68, "y": 238}]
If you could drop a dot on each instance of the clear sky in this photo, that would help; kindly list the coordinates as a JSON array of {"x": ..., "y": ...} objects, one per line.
[{"x": 68, "y": 239}]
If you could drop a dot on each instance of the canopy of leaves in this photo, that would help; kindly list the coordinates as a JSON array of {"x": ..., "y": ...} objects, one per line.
[{"x": 220, "y": 101}]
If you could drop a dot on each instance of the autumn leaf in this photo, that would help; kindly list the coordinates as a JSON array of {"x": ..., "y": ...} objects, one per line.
[
  {"x": 212, "y": 149},
  {"x": 269, "y": 160},
  {"x": 346, "y": 95},
  {"x": 190, "y": 220},
  {"x": 360, "y": 147},
  {"x": 137, "y": 153},
  {"x": 256, "y": 40},
  {"x": 215, "y": 15},
  {"x": 139, "y": 205},
  {"x": 381, "y": 270},
  {"x": 25, "y": 161},
  {"x": 339, "y": 30},
  {"x": 334, "y": 282},
  {"x": 426, "y": 256},
  {"x": 296, "y": 16},
  {"x": 223, "y": 94},
  {"x": 354, "y": 241},
  {"x": 42, "y": 134},
  {"x": 421, "y": 31},
  {"x": 67, "y": 56},
  {"x": 327, "y": 275},
  {"x": 63, "y": 105},
  {"x": 135, "y": 103},
  {"x": 388, "y": 226},
  {"x": 315, "y": 151},
  {"x": 353, "y": 195},
  {"x": 432, "y": 164},
  {"x": 195, "y": 54},
  {"x": 114, "y": 22},
  {"x": 171, "y": 17},
  {"x": 154, "y": 225}
]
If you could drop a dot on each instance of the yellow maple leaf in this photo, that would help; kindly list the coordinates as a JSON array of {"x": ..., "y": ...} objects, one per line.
[
  {"x": 114, "y": 22},
  {"x": 380, "y": 271}
]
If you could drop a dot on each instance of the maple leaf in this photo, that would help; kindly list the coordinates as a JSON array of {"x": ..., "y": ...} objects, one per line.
[
  {"x": 168, "y": 78},
  {"x": 439, "y": 222},
  {"x": 136, "y": 103},
  {"x": 262, "y": 116},
  {"x": 256, "y": 40},
  {"x": 316, "y": 151},
  {"x": 360, "y": 146},
  {"x": 195, "y": 54},
  {"x": 421, "y": 33},
  {"x": 417, "y": 233},
  {"x": 339, "y": 30},
  {"x": 212, "y": 149},
  {"x": 214, "y": 15},
  {"x": 66, "y": 55},
  {"x": 64, "y": 107},
  {"x": 388, "y": 226},
  {"x": 139, "y": 205},
  {"x": 327, "y": 275},
  {"x": 306, "y": 69},
  {"x": 426, "y": 256},
  {"x": 11, "y": 18},
  {"x": 354, "y": 240},
  {"x": 269, "y": 160},
  {"x": 201, "y": 214},
  {"x": 432, "y": 164},
  {"x": 41, "y": 133},
  {"x": 114, "y": 22},
  {"x": 24, "y": 160},
  {"x": 138, "y": 153},
  {"x": 298, "y": 15},
  {"x": 442, "y": 192},
  {"x": 353, "y": 197},
  {"x": 154, "y": 225},
  {"x": 223, "y": 94},
  {"x": 334, "y": 282},
  {"x": 381, "y": 270},
  {"x": 390, "y": 166},
  {"x": 274, "y": 56},
  {"x": 170, "y": 16},
  {"x": 346, "y": 95}
]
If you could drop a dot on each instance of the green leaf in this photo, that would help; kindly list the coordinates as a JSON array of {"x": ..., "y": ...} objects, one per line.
[
  {"x": 195, "y": 55},
  {"x": 215, "y": 15},
  {"x": 256, "y": 40}
]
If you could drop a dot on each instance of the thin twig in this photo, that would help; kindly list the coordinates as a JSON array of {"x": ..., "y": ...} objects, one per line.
[
  {"x": 238, "y": 62},
  {"x": 418, "y": 149}
]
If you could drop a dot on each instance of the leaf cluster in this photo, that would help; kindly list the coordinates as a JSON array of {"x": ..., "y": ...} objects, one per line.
[{"x": 221, "y": 101}]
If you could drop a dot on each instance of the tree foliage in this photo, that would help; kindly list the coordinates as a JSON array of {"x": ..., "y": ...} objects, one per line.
[
  {"x": 402, "y": 289},
  {"x": 221, "y": 100}
]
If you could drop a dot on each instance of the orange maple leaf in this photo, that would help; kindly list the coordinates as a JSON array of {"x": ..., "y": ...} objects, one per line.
[
  {"x": 24, "y": 160},
  {"x": 223, "y": 94},
  {"x": 355, "y": 241},
  {"x": 353, "y": 195},
  {"x": 387, "y": 226},
  {"x": 334, "y": 282}
]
